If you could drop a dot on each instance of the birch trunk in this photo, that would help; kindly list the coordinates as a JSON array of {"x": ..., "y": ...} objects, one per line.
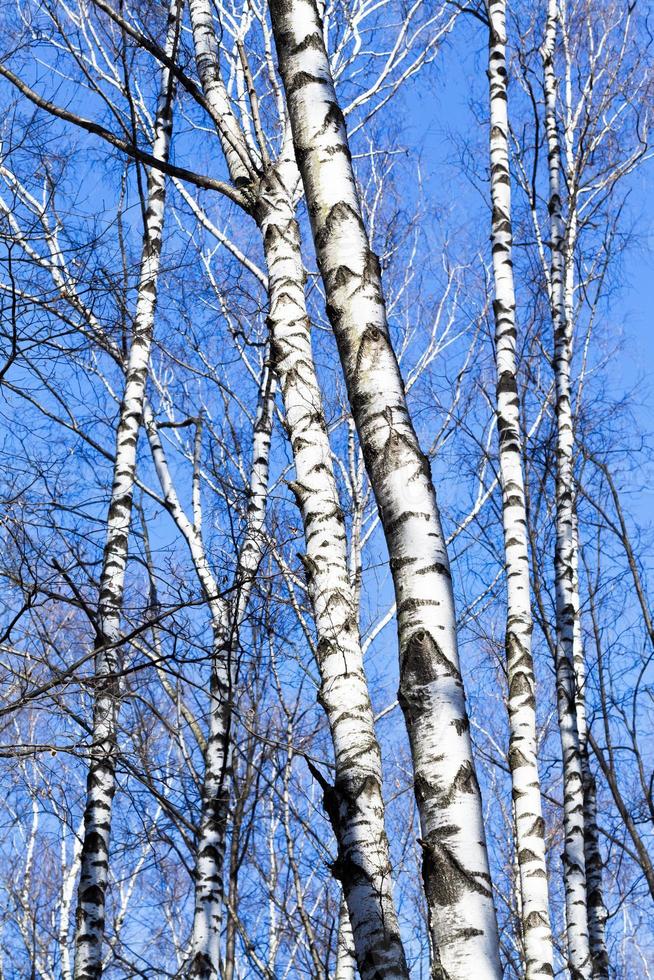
[
  {"x": 354, "y": 803},
  {"x": 567, "y": 602},
  {"x": 218, "y": 774},
  {"x": 101, "y": 781},
  {"x": 226, "y": 624},
  {"x": 204, "y": 954},
  {"x": 523, "y": 744},
  {"x": 216, "y": 792},
  {"x": 345, "y": 962},
  {"x": 462, "y": 922},
  {"x": 597, "y": 911},
  {"x": 251, "y": 550},
  {"x": 207, "y": 59}
]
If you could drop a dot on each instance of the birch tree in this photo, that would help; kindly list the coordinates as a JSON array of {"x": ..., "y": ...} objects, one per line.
[
  {"x": 101, "y": 785},
  {"x": 529, "y": 825},
  {"x": 455, "y": 869},
  {"x": 236, "y": 849},
  {"x": 226, "y": 623},
  {"x": 566, "y": 601},
  {"x": 378, "y": 846},
  {"x": 354, "y": 803},
  {"x": 583, "y": 877}
]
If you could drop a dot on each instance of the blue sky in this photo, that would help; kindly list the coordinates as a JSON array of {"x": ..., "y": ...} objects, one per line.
[{"x": 443, "y": 118}]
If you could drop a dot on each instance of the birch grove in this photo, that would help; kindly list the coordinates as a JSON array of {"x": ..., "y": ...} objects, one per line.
[{"x": 326, "y": 632}]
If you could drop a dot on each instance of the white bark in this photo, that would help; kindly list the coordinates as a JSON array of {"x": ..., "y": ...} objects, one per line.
[
  {"x": 523, "y": 743},
  {"x": 69, "y": 877},
  {"x": 462, "y": 922},
  {"x": 207, "y": 58},
  {"x": 217, "y": 786},
  {"x": 345, "y": 961},
  {"x": 252, "y": 547},
  {"x": 204, "y": 956},
  {"x": 597, "y": 911},
  {"x": 101, "y": 782},
  {"x": 354, "y": 803},
  {"x": 567, "y": 602}
]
